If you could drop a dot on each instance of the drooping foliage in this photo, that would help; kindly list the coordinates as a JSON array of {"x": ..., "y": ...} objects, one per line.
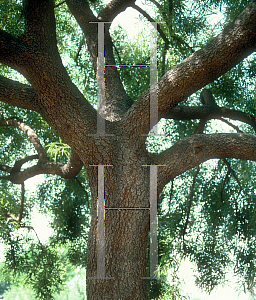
[{"x": 206, "y": 214}]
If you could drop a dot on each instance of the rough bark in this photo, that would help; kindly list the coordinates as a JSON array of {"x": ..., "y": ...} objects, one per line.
[
  {"x": 56, "y": 98},
  {"x": 126, "y": 185}
]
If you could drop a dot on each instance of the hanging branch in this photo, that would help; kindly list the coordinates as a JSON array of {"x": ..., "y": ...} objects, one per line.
[
  {"x": 22, "y": 199},
  {"x": 32, "y": 228},
  {"x": 79, "y": 49},
  {"x": 85, "y": 191},
  {"x": 189, "y": 207},
  {"x": 232, "y": 172},
  {"x": 199, "y": 127},
  {"x": 223, "y": 185}
]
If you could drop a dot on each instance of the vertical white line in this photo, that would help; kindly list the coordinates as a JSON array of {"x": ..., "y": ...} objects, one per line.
[
  {"x": 101, "y": 81},
  {"x": 153, "y": 78},
  {"x": 101, "y": 220},
  {"x": 153, "y": 222}
]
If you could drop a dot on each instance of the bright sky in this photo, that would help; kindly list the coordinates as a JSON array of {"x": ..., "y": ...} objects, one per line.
[{"x": 221, "y": 293}]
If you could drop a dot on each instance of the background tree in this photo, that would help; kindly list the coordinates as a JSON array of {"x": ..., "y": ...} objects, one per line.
[{"x": 215, "y": 215}]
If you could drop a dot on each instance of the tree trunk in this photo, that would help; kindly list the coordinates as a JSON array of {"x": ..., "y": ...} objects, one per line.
[{"x": 126, "y": 231}]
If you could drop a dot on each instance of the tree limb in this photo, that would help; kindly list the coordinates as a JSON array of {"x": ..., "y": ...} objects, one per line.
[
  {"x": 232, "y": 172},
  {"x": 156, "y": 4},
  {"x": 5, "y": 168},
  {"x": 18, "y": 94},
  {"x": 193, "y": 150},
  {"x": 236, "y": 42},
  {"x": 112, "y": 9},
  {"x": 59, "y": 4},
  {"x": 68, "y": 170},
  {"x": 18, "y": 164},
  {"x": 11, "y": 49},
  {"x": 208, "y": 112},
  {"x": 30, "y": 133},
  {"x": 84, "y": 15},
  {"x": 117, "y": 102},
  {"x": 40, "y": 24}
]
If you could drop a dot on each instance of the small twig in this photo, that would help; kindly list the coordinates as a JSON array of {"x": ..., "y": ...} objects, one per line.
[
  {"x": 146, "y": 15},
  {"x": 156, "y": 4},
  {"x": 231, "y": 125},
  {"x": 117, "y": 52},
  {"x": 32, "y": 228}
]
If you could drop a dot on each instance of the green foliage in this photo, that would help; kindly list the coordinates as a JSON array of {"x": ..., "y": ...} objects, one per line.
[
  {"x": 15, "y": 24},
  {"x": 212, "y": 223},
  {"x": 73, "y": 289},
  {"x": 58, "y": 149},
  {"x": 135, "y": 79}
]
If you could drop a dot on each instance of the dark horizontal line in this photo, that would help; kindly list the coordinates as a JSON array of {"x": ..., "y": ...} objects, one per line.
[
  {"x": 125, "y": 208},
  {"x": 148, "y": 65},
  {"x": 100, "y": 22}
]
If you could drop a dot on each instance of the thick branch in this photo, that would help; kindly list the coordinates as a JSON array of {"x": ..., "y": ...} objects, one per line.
[
  {"x": 114, "y": 8},
  {"x": 11, "y": 49},
  {"x": 117, "y": 102},
  {"x": 40, "y": 24},
  {"x": 192, "y": 151},
  {"x": 209, "y": 112},
  {"x": 237, "y": 41},
  {"x": 19, "y": 163},
  {"x": 68, "y": 170},
  {"x": 18, "y": 94}
]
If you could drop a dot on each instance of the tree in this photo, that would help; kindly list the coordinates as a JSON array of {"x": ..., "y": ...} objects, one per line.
[{"x": 52, "y": 94}]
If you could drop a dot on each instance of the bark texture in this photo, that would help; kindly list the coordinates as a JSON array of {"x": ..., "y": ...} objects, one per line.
[{"x": 52, "y": 94}]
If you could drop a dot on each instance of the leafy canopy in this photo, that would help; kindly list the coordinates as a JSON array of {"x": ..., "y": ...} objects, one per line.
[{"x": 206, "y": 214}]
